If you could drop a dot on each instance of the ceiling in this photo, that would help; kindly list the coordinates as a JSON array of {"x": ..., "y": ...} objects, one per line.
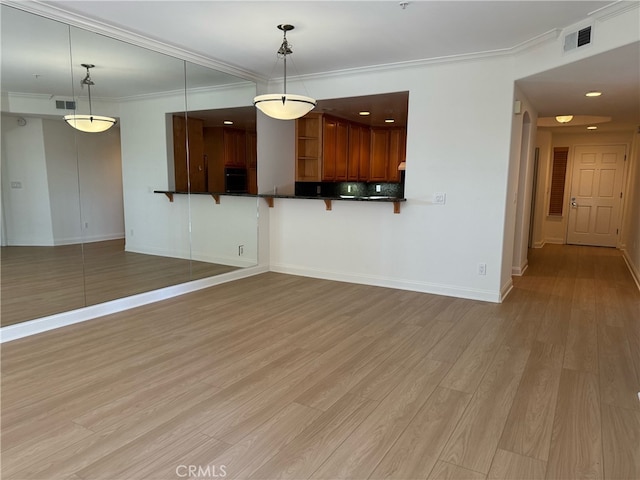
[{"x": 333, "y": 36}]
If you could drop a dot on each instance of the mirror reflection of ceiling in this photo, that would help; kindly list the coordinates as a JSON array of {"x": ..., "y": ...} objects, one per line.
[
  {"x": 243, "y": 118},
  {"x": 31, "y": 64},
  {"x": 381, "y": 108}
]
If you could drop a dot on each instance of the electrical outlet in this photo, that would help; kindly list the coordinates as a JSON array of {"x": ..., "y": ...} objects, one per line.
[
  {"x": 378, "y": 188},
  {"x": 482, "y": 269},
  {"x": 16, "y": 184},
  {"x": 439, "y": 198},
  {"x": 348, "y": 188},
  {"x": 240, "y": 250}
]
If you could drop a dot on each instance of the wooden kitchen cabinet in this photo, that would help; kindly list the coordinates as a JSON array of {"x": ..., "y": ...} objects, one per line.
[
  {"x": 330, "y": 149},
  {"x": 227, "y": 148},
  {"x": 335, "y": 149},
  {"x": 252, "y": 162},
  {"x": 387, "y": 152},
  {"x": 359, "y": 153},
  {"x": 397, "y": 153},
  {"x": 235, "y": 148},
  {"x": 379, "y": 155},
  {"x": 190, "y": 168}
]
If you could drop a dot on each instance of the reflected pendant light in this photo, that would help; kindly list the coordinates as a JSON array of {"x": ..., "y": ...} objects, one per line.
[
  {"x": 89, "y": 123},
  {"x": 564, "y": 118},
  {"x": 284, "y": 106}
]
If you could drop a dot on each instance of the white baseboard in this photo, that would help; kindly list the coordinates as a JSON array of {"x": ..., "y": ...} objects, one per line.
[
  {"x": 423, "y": 287},
  {"x": 519, "y": 271},
  {"x": 635, "y": 271},
  {"x": 555, "y": 241},
  {"x": 234, "y": 261},
  {"x": 539, "y": 244},
  {"x": 39, "y": 325},
  {"x": 506, "y": 290},
  {"x": 102, "y": 238}
]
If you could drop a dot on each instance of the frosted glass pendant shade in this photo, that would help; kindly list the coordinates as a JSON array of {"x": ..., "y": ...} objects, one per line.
[
  {"x": 90, "y": 123},
  {"x": 564, "y": 118},
  {"x": 284, "y": 106}
]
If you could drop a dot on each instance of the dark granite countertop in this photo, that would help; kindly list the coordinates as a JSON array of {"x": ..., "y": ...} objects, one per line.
[
  {"x": 366, "y": 198},
  {"x": 371, "y": 198}
]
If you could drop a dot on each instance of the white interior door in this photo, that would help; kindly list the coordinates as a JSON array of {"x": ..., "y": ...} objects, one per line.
[{"x": 596, "y": 191}]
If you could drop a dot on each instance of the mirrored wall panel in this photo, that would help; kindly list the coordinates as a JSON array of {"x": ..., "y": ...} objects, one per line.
[
  {"x": 95, "y": 230},
  {"x": 222, "y": 168},
  {"x": 42, "y": 263}
]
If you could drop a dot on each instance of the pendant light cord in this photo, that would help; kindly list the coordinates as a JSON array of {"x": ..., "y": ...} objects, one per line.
[
  {"x": 89, "y": 88},
  {"x": 285, "y": 73}
]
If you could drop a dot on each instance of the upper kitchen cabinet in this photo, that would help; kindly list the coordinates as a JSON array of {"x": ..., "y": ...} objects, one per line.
[
  {"x": 388, "y": 146},
  {"x": 330, "y": 149},
  {"x": 335, "y": 149},
  {"x": 354, "y": 139},
  {"x": 359, "y": 153}
]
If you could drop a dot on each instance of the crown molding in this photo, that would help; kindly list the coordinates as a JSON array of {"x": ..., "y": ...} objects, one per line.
[
  {"x": 48, "y": 10},
  {"x": 614, "y": 9},
  {"x": 53, "y": 12}
]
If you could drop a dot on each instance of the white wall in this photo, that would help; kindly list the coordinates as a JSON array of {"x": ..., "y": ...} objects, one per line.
[
  {"x": 542, "y": 222},
  {"x": 152, "y": 224},
  {"x": 26, "y": 210},
  {"x": 62, "y": 176},
  {"x": 100, "y": 170},
  {"x": 276, "y": 150},
  {"x": 520, "y": 189},
  {"x": 426, "y": 247},
  {"x": 630, "y": 241}
]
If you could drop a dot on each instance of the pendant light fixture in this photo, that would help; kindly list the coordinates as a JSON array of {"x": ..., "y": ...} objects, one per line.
[
  {"x": 564, "y": 118},
  {"x": 284, "y": 106},
  {"x": 89, "y": 123}
]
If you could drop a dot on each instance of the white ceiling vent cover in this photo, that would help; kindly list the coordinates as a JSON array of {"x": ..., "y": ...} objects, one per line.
[{"x": 577, "y": 39}]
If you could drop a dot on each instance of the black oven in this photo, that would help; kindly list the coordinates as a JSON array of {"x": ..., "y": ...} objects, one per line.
[{"x": 235, "y": 180}]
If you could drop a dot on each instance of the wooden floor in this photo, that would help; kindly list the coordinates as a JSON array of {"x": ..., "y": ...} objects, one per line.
[
  {"x": 41, "y": 281},
  {"x": 277, "y": 376}
]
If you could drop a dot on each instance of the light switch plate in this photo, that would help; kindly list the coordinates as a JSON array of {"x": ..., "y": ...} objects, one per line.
[{"x": 439, "y": 198}]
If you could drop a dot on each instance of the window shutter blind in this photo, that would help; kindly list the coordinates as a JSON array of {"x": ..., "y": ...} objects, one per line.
[{"x": 558, "y": 175}]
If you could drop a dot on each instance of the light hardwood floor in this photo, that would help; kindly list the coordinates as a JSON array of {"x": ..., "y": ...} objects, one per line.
[
  {"x": 284, "y": 377},
  {"x": 41, "y": 281}
]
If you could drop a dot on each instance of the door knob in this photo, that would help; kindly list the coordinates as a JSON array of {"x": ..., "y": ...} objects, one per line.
[{"x": 573, "y": 202}]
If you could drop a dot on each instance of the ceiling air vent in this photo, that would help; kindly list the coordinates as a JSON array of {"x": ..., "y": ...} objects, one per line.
[
  {"x": 65, "y": 105},
  {"x": 577, "y": 39}
]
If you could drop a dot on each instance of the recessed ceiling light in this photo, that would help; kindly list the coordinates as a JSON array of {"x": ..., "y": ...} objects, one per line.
[
  {"x": 592, "y": 127},
  {"x": 389, "y": 120},
  {"x": 228, "y": 122},
  {"x": 364, "y": 113},
  {"x": 593, "y": 94}
]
